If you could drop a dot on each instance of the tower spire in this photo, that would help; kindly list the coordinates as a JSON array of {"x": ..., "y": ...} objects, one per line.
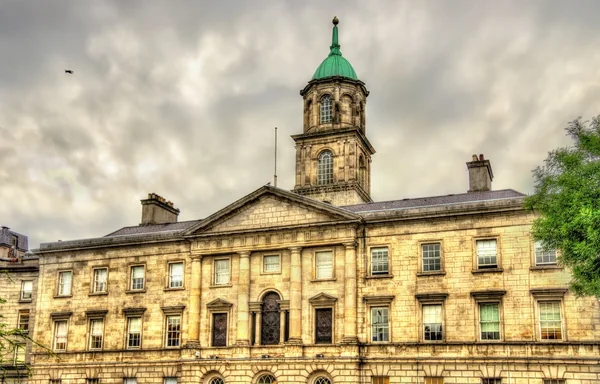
[{"x": 335, "y": 46}]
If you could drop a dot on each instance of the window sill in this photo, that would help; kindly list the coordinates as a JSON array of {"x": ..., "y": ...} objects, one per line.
[
  {"x": 167, "y": 289},
  {"x": 433, "y": 273},
  {"x": 229, "y": 285},
  {"x": 543, "y": 267},
  {"x": 98, "y": 294},
  {"x": 382, "y": 276},
  {"x": 487, "y": 270},
  {"x": 130, "y": 291},
  {"x": 63, "y": 296},
  {"x": 25, "y": 300},
  {"x": 323, "y": 280},
  {"x": 271, "y": 273}
]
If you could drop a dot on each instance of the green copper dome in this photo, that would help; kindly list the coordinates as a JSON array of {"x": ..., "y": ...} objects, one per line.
[{"x": 335, "y": 64}]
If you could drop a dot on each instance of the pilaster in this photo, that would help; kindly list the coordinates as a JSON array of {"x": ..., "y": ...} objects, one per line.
[
  {"x": 242, "y": 338},
  {"x": 295, "y": 296},
  {"x": 350, "y": 294},
  {"x": 194, "y": 320}
]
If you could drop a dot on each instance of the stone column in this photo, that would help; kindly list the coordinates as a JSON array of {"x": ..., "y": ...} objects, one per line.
[
  {"x": 350, "y": 296},
  {"x": 243, "y": 320},
  {"x": 194, "y": 321},
  {"x": 295, "y": 297}
]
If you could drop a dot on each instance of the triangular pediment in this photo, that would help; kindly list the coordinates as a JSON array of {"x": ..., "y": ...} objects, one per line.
[
  {"x": 323, "y": 299},
  {"x": 219, "y": 303},
  {"x": 270, "y": 207}
]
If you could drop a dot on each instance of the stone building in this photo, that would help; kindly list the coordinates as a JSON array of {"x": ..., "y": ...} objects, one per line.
[
  {"x": 320, "y": 284},
  {"x": 18, "y": 287}
]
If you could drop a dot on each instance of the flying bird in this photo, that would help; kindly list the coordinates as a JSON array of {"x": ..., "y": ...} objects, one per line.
[{"x": 70, "y": 72}]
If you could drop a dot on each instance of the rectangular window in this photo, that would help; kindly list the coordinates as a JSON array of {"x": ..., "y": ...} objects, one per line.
[
  {"x": 55, "y": 381},
  {"x": 129, "y": 380},
  {"x": 271, "y": 263},
  {"x": 491, "y": 381},
  {"x": 134, "y": 332},
  {"x": 92, "y": 381},
  {"x": 432, "y": 259},
  {"x": 15, "y": 241},
  {"x": 434, "y": 380},
  {"x": 170, "y": 380},
  {"x": 100, "y": 275},
  {"x": 64, "y": 283},
  {"x": 489, "y": 321},
  {"x": 26, "y": 289},
  {"x": 380, "y": 327},
  {"x": 137, "y": 277},
  {"x": 23, "y": 321},
  {"x": 379, "y": 261},
  {"x": 222, "y": 271},
  {"x": 380, "y": 380},
  {"x": 219, "y": 330},
  {"x": 550, "y": 320},
  {"x": 487, "y": 255},
  {"x": 544, "y": 257},
  {"x": 554, "y": 381},
  {"x": 19, "y": 356},
  {"x": 60, "y": 335},
  {"x": 173, "y": 330},
  {"x": 96, "y": 333},
  {"x": 324, "y": 265},
  {"x": 176, "y": 275},
  {"x": 432, "y": 322},
  {"x": 323, "y": 325}
]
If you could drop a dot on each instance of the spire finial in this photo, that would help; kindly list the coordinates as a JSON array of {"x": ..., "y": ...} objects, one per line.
[{"x": 335, "y": 46}]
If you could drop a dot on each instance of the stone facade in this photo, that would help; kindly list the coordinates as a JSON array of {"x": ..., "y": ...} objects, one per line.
[
  {"x": 18, "y": 287},
  {"x": 319, "y": 285}
]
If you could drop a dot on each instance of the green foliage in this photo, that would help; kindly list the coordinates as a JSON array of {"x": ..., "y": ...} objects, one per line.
[{"x": 567, "y": 198}]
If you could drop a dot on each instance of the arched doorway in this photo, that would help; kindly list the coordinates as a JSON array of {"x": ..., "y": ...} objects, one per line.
[{"x": 271, "y": 319}]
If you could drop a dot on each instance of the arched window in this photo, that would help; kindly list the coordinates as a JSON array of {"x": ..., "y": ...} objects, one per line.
[
  {"x": 266, "y": 379},
  {"x": 322, "y": 380},
  {"x": 216, "y": 380},
  {"x": 326, "y": 109},
  {"x": 271, "y": 321},
  {"x": 325, "y": 168}
]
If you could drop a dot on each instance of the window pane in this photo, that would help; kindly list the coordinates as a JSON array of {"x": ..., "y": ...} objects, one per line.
[
  {"x": 491, "y": 381},
  {"x": 134, "y": 329},
  {"x": 60, "y": 335},
  {"x": 550, "y": 320},
  {"x": 130, "y": 380},
  {"x": 325, "y": 168},
  {"x": 323, "y": 325},
  {"x": 96, "y": 333},
  {"x": 434, "y": 380},
  {"x": 271, "y": 263},
  {"x": 266, "y": 379},
  {"x": 64, "y": 283},
  {"x": 379, "y": 324},
  {"x": 19, "y": 356},
  {"x": 486, "y": 254},
  {"x": 322, "y": 380},
  {"x": 324, "y": 265},
  {"x": 432, "y": 260},
  {"x": 175, "y": 275},
  {"x": 326, "y": 109},
  {"x": 379, "y": 261},
  {"x": 26, "y": 288},
  {"x": 222, "y": 271},
  {"x": 23, "y": 322},
  {"x": 432, "y": 322},
  {"x": 170, "y": 380},
  {"x": 544, "y": 256},
  {"x": 100, "y": 280},
  {"x": 173, "y": 331},
  {"x": 489, "y": 320},
  {"x": 219, "y": 335},
  {"x": 137, "y": 277}
]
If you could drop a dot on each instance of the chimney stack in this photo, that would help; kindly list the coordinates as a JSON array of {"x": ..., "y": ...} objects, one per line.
[
  {"x": 480, "y": 174},
  {"x": 157, "y": 210}
]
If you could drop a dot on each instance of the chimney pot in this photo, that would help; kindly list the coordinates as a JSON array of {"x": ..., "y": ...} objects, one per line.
[{"x": 481, "y": 157}]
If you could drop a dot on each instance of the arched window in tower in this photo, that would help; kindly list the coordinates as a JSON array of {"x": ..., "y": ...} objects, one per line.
[
  {"x": 326, "y": 109},
  {"x": 325, "y": 168},
  {"x": 271, "y": 319}
]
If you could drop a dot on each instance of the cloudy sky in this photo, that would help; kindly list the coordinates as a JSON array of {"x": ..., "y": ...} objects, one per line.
[{"x": 181, "y": 97}]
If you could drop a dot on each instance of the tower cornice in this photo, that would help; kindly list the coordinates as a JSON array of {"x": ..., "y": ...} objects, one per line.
[{"x": 336, "y": 133}]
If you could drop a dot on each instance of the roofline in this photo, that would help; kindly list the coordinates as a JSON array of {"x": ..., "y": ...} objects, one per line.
[{"x": 150, "y": 225}]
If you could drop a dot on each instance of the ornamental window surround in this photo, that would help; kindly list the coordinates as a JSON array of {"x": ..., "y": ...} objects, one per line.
[
  {"x": 379, "y": 308},
  {"x": 96, "y": 340},
  {"x": 550, "y": 314},
  {"x": 489, "y": 315},
  {"x": 323, "y": 308},
  {"x": 173, "y": 321},
  {"x": 432, "y": 316},
  {"x": 219, "y": 312},
  {"x": 325, "y": 168}
]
